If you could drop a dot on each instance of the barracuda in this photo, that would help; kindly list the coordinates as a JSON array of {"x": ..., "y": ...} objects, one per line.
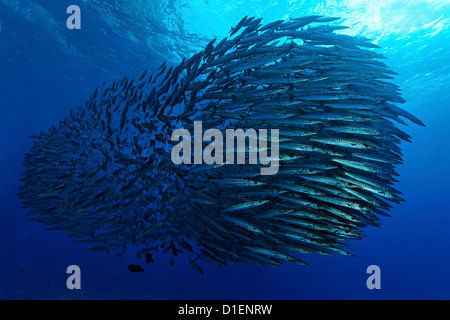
[{"x": 106, "y": 175}]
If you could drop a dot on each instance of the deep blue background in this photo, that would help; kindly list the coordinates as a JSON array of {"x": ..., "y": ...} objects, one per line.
[{"x": 47, "y": 70}]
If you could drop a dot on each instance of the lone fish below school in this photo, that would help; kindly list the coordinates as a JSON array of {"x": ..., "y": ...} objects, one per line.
[{"x": 104, "y": 174}]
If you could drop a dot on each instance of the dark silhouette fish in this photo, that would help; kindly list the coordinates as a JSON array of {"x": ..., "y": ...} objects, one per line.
[
  {"x": 149, "y": 258},
  {"x": 105, "y": 174},
  {"x": 135, "y": 268}
]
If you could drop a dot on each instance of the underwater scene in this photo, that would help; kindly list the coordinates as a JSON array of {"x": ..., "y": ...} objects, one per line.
[{"x": 224, "y": 150}]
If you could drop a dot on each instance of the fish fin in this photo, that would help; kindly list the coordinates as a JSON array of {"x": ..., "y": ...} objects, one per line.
[{"x": 407, "y": 115}]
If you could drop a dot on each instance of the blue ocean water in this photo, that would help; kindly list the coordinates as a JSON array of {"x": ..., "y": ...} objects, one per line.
[{"x": 46, "y": 70}]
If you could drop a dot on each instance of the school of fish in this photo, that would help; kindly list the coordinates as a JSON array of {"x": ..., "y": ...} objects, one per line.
[{"x": 104, "y": 173}]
